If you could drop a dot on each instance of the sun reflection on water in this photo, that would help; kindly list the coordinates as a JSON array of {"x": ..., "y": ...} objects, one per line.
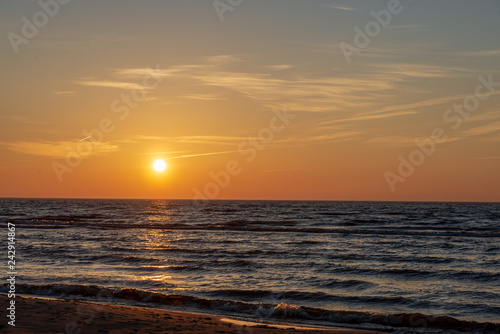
[{"x": 156, "y": 278}]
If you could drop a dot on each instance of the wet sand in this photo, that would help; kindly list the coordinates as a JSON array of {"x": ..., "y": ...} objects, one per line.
[{"x": 40, "y": 315}]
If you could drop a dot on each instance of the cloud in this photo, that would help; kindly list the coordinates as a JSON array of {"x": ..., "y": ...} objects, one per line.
[
  {"x": 425, "y": 103},
  {"x": 310, "y": 94},
  {"x": 304, "y": 93},
  {"x": 66, "y": 93},
  {"x": 401, "y": 140},
  {"x": 380, "y": 50},
  {"x": 409, "y": 27},
  {"x": 22, "y": 119},
  {"x": 485, "y": 116},
  {"x": 424, "y": 71},
  {"x": 145, "y": 137},
  {"x": 222, "y": 59},
  {"x": 342, "y": 92},
  {"x": 346, "y": 93},
  {"x": 483, "y": 53},
  {"x": 162, "y": 153},
  {"x": 483, "y": 130},
  {"x": 340, "y": 7},
  {"x": 135, "y": 73},
  {"x": 363, "y": 95},
  {"x": 203, "y": 97},
  {"x": 58, "y": 149},
  {"x": 110, "y": 84},
  {"x": 370, "y": 117},
  {"x": 487, "y": 158},
  {"x": 141, "y": 72},
  {"x": 192, "y": 139},
  {"x": 333, "y": 137},
  {"x": 202, "y": 154},
  {"x": 235, "y": 141},
  {"x": 208, "y": 140},
  {"x": 393, "y": 140},
  {"x": 398, "y": 141},
  {"x": 280, "y": 67},
  {"x": 284, "y": 170},
  {"x": 403, "y": 109}
]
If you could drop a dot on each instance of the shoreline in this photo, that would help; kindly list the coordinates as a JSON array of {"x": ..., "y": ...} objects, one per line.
[{"x": 43, "y": 315}]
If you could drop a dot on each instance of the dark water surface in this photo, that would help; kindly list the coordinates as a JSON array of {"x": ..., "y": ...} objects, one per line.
[{"x": 440, "y": 259}]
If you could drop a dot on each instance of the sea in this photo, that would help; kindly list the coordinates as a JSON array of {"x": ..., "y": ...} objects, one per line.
[{"x": 401, "y": 267}]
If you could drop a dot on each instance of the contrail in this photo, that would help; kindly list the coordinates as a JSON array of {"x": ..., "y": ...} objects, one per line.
[
  {"x": 201, "y": 154},
  {"x": 85, "y": 138}
]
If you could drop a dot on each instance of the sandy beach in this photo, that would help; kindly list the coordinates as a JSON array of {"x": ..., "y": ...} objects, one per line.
[{"x": 40, "y": 315}]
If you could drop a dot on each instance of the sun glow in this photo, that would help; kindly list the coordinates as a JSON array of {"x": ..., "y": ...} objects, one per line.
[{"x": 159, "y": 165}]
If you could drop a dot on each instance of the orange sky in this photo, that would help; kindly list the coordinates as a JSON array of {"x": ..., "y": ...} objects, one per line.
[{"x": 265, "y": 100}]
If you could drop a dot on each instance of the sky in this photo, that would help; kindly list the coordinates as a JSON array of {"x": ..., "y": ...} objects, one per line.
[{"x": 251, "y": 99}]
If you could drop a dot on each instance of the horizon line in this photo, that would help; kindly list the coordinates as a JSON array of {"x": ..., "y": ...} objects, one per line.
[{"x": 248, "y": 200}]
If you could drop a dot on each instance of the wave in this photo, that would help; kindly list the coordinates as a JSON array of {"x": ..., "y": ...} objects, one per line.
[
  {"x": 335, "y": 213},
  {"x": 280, "y": 226},
  {"x": 258, "y": 310},
  {"x": 349, "y": 284}
]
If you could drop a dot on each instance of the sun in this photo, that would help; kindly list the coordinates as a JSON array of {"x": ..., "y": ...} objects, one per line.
[{"x": 159, "y": 165}]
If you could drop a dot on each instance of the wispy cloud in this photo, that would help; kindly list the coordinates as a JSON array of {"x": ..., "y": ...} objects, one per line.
[
  {"x": 279, "y": 67},
  {"x": 487, "y": 158},
  {"x": 483, "y": 130},
  {"x": 363, "y": 95},
  {"x": 483, "y": 53},
  {"x": 22, "y": 119},
  {"x": 168, "y": 153},
  {"x": 235, "y": 141},
  {"x": 400, "y": 140},
  {"x": 203, "y": 97},
  {"x": 380, "y": 50},
  {"x": 485, "y": 116},
  {"x": 110, "y": 84},
  {"x": 409, "y": 27},
  {"x": 56, "y": 149},
  {"x": 284, "y": 170},
  {"x": 222, "y": 59},
  {"x": 304, "y": 93},
  {"x": 66, "y": 93},
  {"x": 332, "y": 137},
  {"x": 425, "y": 103},
  {"x": 367, "y": 117},
  {"x": 340, "y": 7},
  {"x": 392, "y": 140},
  {"x": 208, "y": 139},
  {"x": 424, "y": 71},
  {"x": 324, "y": 93},
  {"x": 202, "y": 154},
  {"x": 141, "y": 72}
]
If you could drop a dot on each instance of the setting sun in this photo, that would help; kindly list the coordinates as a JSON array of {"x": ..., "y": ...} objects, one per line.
[{"x": 159, "y": 165}]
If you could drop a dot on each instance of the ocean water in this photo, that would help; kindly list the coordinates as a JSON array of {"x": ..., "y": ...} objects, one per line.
[{"x": 379, "y": 263}]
